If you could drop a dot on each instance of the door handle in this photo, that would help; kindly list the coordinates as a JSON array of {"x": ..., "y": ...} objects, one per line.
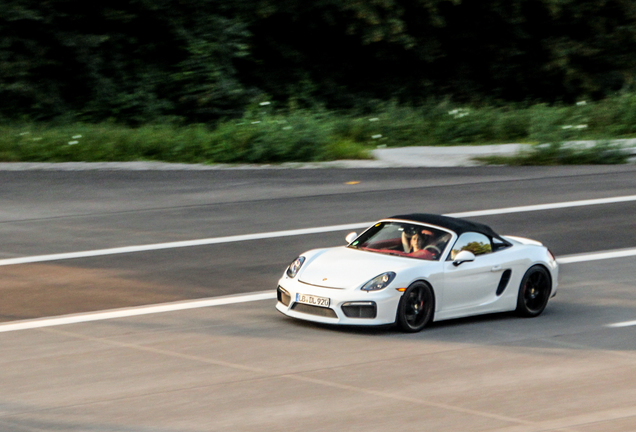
[{"x": 495, "y": 268}]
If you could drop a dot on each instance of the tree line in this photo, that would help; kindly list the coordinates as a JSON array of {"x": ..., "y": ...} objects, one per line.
[{"x": 140, "y": 61}]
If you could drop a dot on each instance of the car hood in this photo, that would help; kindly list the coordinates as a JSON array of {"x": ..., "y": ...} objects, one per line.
[{"x": 345, "y": 267}]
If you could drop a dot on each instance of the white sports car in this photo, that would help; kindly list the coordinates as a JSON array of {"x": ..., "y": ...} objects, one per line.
[{"x": 417, "y": 268}]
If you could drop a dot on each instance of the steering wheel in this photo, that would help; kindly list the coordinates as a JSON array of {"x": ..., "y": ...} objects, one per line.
[{"x": 434, "y": 249}]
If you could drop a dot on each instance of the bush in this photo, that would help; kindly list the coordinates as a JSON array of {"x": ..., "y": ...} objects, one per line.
[
  {"x": 299, "y": 137},
  {"x": 296, "y": 137},
  {"x": 601, "y": 153}
]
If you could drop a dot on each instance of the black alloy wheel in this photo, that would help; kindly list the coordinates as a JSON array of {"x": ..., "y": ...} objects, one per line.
[
  {"x": 416, "y": 307},
  {"x": 534, "y": 292}
]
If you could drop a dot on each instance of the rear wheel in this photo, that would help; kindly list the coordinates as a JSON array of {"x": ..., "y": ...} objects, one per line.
[
  {"x": 534, "y": 292},
  {"x": 416, "y": 307}
]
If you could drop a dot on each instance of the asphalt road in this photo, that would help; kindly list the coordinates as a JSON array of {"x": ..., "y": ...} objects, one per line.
[{"x": 244, "y": 367}]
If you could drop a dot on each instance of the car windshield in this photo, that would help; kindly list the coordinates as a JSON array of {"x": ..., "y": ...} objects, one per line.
[{"x": 403, "y": 239}]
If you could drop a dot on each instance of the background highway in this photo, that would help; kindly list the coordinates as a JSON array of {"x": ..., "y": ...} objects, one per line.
[{"x": 245, "y": 367}]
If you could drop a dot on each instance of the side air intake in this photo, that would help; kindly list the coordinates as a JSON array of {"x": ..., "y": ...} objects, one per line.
[{"x": 503, "y": 283}]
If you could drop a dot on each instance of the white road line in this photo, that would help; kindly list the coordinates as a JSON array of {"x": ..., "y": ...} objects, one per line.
[
  {"x": 178, "y": 244},
  {"x": 596, "y": 256},
  {"x": 622, "y": 324},
  {"x": 225, "y": 300},
  {"x": 552, "y": 206},
  {"x": 297, "y": 232},
  {"x": 135, "y": 311}
]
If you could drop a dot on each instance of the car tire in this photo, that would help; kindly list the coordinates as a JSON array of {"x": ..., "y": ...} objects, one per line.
[
  {"x": 416, "y": 307},
  {"x": 534, "y": 292}
]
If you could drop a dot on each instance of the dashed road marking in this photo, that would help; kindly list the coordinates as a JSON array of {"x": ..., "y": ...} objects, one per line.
[
  {"x": 135, "y": 311},
  {"x": 296, "y": 232},
  {"x": 622, "y": 324},
  {"x": 597, "y": 256}
]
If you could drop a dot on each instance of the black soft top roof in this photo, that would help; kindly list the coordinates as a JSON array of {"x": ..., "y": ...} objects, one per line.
[{"x": 460, "y": 226}]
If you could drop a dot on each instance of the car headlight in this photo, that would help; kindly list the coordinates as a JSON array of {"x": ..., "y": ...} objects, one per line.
[
  {"x": 379, "y": 282},
  {"x": 293, "y": 268}
]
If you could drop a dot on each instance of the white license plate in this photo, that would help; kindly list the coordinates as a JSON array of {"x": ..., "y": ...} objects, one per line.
[{"x": 312, "y": 300}]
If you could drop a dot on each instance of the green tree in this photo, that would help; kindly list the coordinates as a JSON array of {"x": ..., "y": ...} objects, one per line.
[
  {"x": 144, "y": 60},
  {"x": 133, "y": 61}
]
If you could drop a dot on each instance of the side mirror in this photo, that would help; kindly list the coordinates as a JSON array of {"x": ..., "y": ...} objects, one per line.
[
  {"x": 351, "y": 237},
  {"x": 462, "y": 257}
]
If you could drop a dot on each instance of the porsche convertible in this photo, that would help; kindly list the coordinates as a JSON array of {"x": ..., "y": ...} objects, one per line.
[{"x": 414, "y": 269}]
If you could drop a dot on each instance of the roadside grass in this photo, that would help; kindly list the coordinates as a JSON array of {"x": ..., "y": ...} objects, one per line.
[
  {"x": 601, "y": 153},
  {"x": 269, "y": 135},
  {"x": 274, "y": 141}
]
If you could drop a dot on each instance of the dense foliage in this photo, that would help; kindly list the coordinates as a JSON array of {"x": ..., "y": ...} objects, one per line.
[{"x": 142, "y": 61}]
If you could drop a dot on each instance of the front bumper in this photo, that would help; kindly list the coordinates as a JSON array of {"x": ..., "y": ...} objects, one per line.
[{"x": 348, "y": 307}]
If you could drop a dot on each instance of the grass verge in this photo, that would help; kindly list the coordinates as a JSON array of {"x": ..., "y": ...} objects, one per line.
[
  {"x": 267, "y": 135},
  {"x": 295, "y": 140},
  {"x": 601, "y": 153}
]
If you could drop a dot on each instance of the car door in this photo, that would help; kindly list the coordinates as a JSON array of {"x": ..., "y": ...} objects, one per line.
[{"x": 471, "y": 286}]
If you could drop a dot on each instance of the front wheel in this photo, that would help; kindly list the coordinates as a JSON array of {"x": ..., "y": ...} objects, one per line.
[
  {"x": 534, "y": 292},
  {"x": 416, "y": 308}
]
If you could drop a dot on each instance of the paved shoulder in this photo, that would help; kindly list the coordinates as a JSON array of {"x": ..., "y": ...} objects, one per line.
[{"x": 442, "y": 156}]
